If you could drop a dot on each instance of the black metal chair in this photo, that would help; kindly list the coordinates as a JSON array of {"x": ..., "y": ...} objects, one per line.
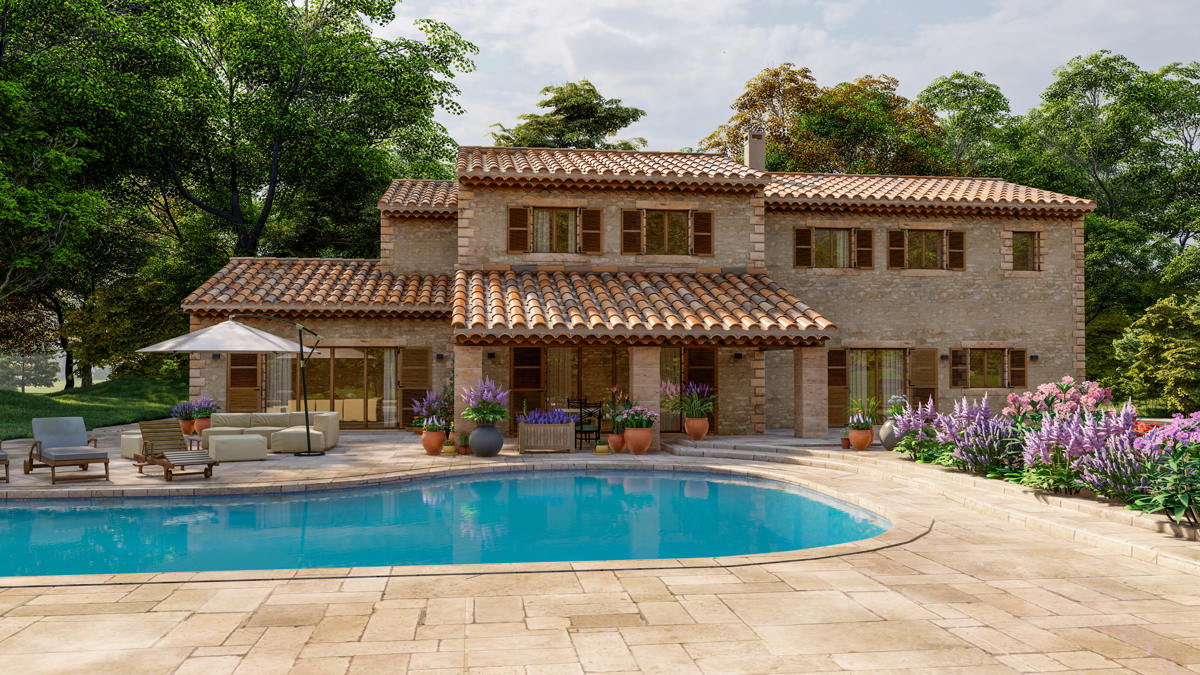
[{"x": 587, "y": 424}]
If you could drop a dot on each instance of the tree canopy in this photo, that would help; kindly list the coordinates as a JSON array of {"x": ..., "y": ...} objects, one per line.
[{"x": 579, "y": 117}]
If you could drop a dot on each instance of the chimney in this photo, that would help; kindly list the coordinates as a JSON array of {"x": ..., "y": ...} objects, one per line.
[{"x": 754, "y": 151}]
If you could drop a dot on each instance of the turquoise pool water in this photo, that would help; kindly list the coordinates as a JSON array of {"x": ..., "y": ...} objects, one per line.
[{"x": 527, "y": 516}]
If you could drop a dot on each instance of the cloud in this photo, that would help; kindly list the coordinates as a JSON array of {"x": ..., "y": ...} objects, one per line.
[{"x": 684, "y": 62}]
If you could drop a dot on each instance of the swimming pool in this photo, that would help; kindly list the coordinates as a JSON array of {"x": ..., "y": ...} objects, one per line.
[{"x": 526, "y": 516}]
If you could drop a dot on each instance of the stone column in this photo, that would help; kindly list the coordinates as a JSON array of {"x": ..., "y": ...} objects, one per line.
[
  {"x": 811, "y": 419},
  {"x": 758, "y": 391},
  {"x": 644, "y": 380},
  {"x": 468, "y": 371}
]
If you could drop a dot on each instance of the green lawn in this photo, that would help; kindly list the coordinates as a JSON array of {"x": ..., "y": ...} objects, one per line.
[{"x": 119, "y": 401}]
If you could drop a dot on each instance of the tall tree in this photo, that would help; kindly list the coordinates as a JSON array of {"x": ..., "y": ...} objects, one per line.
[
  {"x": 971, "y": 109},
  {"x": 579, "y": 117},
  {"x": 251, "y": 103},
  {"x": 862, "y": 126},
  {"x": 18, "y": 371}
]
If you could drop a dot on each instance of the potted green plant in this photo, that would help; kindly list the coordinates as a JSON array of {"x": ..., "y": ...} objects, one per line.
[
  {"x": 694, "y": 402},
  {"x": 639, "y": 422},
  {"x": 185, "y": 412},
  {"x": 862, "y": 422},
  {"x": 434, "y": 416},
  {"x": 486, "y": 404},
  {"x": 846, "y": 439},
  {"x": 613, "y": 407},
  {"x": 464, "y": 443},
  {"x": 205, "y": 407}
]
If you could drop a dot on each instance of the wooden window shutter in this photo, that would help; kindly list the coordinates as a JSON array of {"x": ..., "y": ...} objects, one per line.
[
  {"x": 895, "y": 249},
  {"x": 803, "y": 254},
  {"x": 922, "y": 369},
  {"x": 631, "y": 232},
  {"x": 518, "y": 229},
  {"x": 864, "y": 248},
  {"x": 591, "y": 231},
  {"x": 958, "y": 368},
  {"x": 702, "y": 233},
  {"x": 956, "y": 254},
  {"x": 1017, "y": 369},
  {"x": 839, "y": 388},
  {"x": 416, "y": 368}
]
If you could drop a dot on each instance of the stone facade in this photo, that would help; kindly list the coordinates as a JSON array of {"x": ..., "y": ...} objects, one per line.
[{"x": 418, "y": 245}]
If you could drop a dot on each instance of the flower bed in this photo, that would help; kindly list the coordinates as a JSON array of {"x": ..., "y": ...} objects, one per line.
[{"x": 1065, "y": 437}]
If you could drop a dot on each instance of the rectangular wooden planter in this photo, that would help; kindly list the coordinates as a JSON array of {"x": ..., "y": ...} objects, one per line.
[{"x": 546, "y": 437}]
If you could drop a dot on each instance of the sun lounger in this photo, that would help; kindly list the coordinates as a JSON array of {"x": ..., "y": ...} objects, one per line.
[
  {"x": 64, "y": 441},
  {"x": 4, "y": 461},
  {"x": 163, "y": 445}
]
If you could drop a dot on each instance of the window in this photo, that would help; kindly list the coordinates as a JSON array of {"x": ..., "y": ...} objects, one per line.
[
  {"x": 926, "y": 249},
  {"x": 988, "y": 368},
  {"x": 833, "y": 248},
  {"x": 1025, "y": 251},
  {"x": 667, "y": 232},
  {"x": 554, "y": 230}
]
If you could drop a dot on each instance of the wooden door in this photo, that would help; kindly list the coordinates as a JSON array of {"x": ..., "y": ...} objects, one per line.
[
  {"x": 415, "y": 369},
  {"x": 839, "y": 388},
  {"x": 922, "y": 375},
  {"x": 700, "y": 366},
  {"x": 243, "y": 392}
]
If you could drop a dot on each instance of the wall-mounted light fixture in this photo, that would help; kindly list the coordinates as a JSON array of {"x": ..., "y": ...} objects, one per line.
[
  {"x": 1033, "y": 357},
  {"x": 737, "y": 355},
  {"x": 944, "y": 357},
  {"x": 216, "y": 356},
  {"x": 491, "y": 355},
  {"x": 440, "y": 357}
]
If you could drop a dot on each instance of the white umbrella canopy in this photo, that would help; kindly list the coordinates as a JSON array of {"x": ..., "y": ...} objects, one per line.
[{"x": 227, "y": 336}]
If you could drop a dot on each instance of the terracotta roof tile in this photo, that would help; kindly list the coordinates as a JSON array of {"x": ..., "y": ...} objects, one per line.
[
  {"x": 320, "y": 285},
  {"x": 600, "y": 165},
  {"x": 487, "y": 303},
  {"x": 407, "y": 193},
  {"x": 913, "y": 190}
]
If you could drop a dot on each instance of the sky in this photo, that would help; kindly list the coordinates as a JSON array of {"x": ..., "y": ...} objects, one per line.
[{"x": 684, "y": 62}]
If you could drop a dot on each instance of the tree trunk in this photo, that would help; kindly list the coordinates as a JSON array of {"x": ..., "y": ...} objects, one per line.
[
  {"x": 85, "y": 375},
  {"x": 69, "y": 363}
]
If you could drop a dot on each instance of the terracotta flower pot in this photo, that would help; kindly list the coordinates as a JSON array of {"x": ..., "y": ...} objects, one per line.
[
  {"x": 639, "y": 440},
  {"x": 860, "y": 439},
  {"x": 696, "y": 427},
  {"x": 188, "y": 427},
  {"x": 433, "y": 441},
  {"x": 464, "y": 450},
  {"x": 845, "y": 443},
  {"x": 202, "y": 423},
  {"x": 616, "y": 442}
]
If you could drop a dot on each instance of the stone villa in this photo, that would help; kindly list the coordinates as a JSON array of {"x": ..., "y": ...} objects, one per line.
[{"x": 561, "y": 273}]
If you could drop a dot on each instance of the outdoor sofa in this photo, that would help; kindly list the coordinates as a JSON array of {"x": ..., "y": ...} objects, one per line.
[
  {"x": 61, "y": 442},
  {"x": 284, "y": 431}
]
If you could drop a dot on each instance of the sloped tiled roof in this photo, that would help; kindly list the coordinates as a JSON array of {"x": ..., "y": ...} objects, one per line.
[
  {"x": 319, "y": 285},
  {"x": 602, "y": 167},
  {"x": 411, "y": 195},
  {"x": 611, "y": 304},
  {"x": 819, "y": 188}
]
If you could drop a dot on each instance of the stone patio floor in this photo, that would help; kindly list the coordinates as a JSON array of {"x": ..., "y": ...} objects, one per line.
[{"x": 947, "y": 589}]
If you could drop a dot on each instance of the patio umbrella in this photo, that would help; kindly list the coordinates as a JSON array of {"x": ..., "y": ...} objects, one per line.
[{"x": 233, "y": 336}]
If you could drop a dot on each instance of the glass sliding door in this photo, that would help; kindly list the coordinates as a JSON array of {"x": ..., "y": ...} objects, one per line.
[
  {"x": 357, "y": 383},
  {"x": 670, "y": 369},
  {"x": 349, "y": 393},
  {"x": 875, "y": 373}
]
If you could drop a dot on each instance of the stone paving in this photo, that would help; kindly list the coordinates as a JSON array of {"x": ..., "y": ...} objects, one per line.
[{"x": 946, "y": 589}]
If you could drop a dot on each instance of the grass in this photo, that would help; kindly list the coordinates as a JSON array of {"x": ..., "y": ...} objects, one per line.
[{"x": 119, "y": 401}]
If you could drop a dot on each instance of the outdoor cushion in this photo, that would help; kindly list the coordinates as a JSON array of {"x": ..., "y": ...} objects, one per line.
[
  {"x": 218, "y": 431},
  {"x": 328, "y": 423},
  {"x": 237, "y": 448},
  {"x": 265, "y": 432},
  {"x": 131, "y": 443},
  {"x": 281, "y": 420},
  {"x": 297, "y": 418},
  {"x": 81, "y": 453},
  {"x": 3, "y": 456},
  {"x": 292, "y": 440},
  {"x": 60, "y": 432},
  {"x": 231, "y": 419}
]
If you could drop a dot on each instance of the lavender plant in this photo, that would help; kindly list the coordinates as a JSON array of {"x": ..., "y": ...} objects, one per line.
[
  {"x": 205, "y": 407},
  {"x": 551, "y": 416},
  {"x": 917, "y": 430},
  {"x": 439, "y": 404},
  {"x": 433, "y": 423},
  {"x": 982, "y": 442},
  {"x": 487, "y": 403},
  {"x": 184, "y": 410},
  {"x": 690, "y": 399}
]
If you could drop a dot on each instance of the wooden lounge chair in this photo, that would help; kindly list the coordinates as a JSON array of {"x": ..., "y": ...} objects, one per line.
[
  {"x": 163, "y": 445},
  {"x": 64, "y": 441},
  {"x": 4, "y": 461}
]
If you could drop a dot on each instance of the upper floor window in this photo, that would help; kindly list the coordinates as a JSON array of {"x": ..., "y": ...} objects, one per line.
[
  {"x": 654, "y": 232},
  {"x": 988, "y": 368},
  {"x": 1025, "y": 251},
  {"x": 926, "y": 249},
  {"x": 833, "y": 247},
  {"x": 555, "y": 230}
]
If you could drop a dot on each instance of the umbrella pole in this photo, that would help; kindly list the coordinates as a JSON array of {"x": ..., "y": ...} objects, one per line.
[{"x": 304, "y": 393}]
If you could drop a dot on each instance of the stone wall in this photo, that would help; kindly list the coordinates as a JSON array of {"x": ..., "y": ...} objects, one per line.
[
  {"x": 208, "y": 375},
  {"x": 983, "y": 305},
  {"x": 736, "y": 409},
  {"x": 418, "y": 245},
  {"x": 483, "y": 228}
]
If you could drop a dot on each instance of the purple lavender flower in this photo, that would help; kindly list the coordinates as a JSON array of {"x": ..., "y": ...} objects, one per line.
[{"x": 552, "y": 416}]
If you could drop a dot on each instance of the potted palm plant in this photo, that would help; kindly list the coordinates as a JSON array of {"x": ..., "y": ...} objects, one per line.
[
  {"x": 486, "y": 404},
  {"x": 613, "y": 407},
  {"x": 639, "y": 422},
  {"x": 694, "y": 402}
]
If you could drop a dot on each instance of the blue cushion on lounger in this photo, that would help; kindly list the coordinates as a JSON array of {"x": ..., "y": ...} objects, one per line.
[
  {"x": 79, "y": 454},
  {"x": 60, "y": 432}
]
